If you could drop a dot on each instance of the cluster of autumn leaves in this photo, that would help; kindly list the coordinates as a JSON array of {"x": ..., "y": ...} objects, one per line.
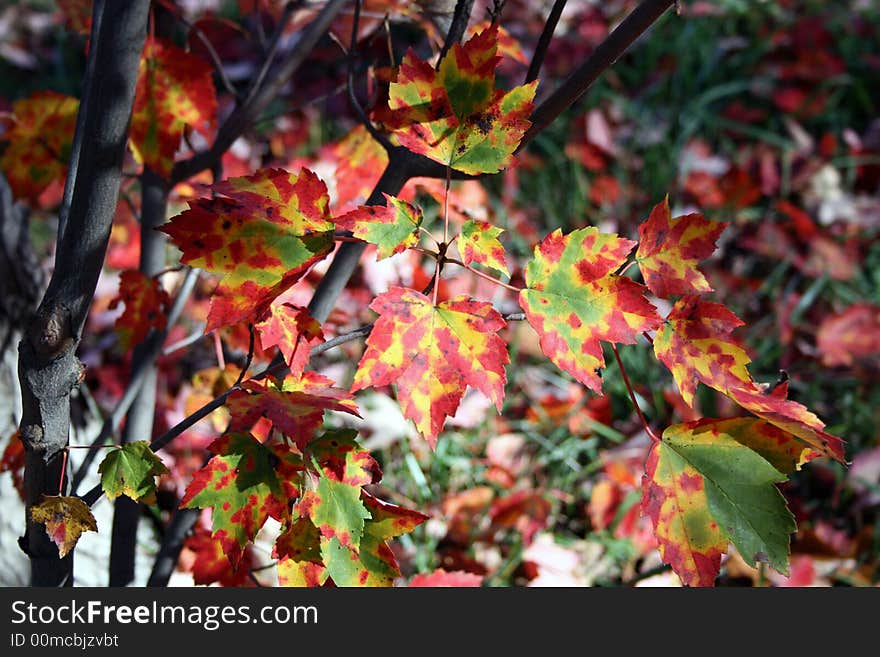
[{"x": 707, "y": 483}]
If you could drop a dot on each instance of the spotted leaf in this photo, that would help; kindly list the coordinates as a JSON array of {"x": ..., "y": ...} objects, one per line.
[
  {"x": 392, "y": 227},
  {"x": 342, "y": 459},
  {"x": 336, "y": 510},
  {"x": 293, "y": 330},
  {"x": 298, "y": 550},
  {"x": 131, "y": 470},
  {"x": 65, "y": 518},
  {"x": 39, "y": 133},
  {"x": 479, "y": 244},
  {"x": 146, "y": 306},
  {"x": 433, "y": 353},
  {"x": 296, "y": 408},
  {"x": 670, "y": 249},
  {"x": 703, "y": 489},
  {"x": 175, "y": 89},
  {"x": 261, "y": 233},
  {"x": 574, "y": 301},
  {"x": 455, "y": 115},
  {"x": 242, "y": 487}
]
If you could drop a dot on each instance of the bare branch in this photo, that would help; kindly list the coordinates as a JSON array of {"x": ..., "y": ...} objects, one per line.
[{"x": 544, "y": 41}]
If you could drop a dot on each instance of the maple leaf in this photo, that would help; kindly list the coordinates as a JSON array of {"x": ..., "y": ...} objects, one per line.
[
  {"x": 131, "y": 470},
  {"x": 13, "y": 460},
  {"x": 342, "y": 459},
  {"x": 262, "y": 234},
  {"x": 850, "y": 336},
  {"x": 39, "y": 139},
  {"x": 296, "y": 409},
  {"x": 242, "y": 487},
  {"x": 211, "y": 564},
  {"x": 298, "y": 550},
  {"x": 361, "y": 160},
  {"x": 336, "y": 510},
  {"x": 703, "y": 489},
  {"x": 573, "y": 300},
  {"x": 432, "y": 354},
  {"x": 695, "y": 344},
  {"x": 790, "y": 416},
  {"x": 455, "y": 115},
  {"x": 146, "y": 305},
  {"x": 66, "y": 518},
  {"x": 440, "y": 577},
  {"x": 670, "y": 249},
  {"x": 392, "y": 227},
  {"x": 174, "y": 89},
  {"x": 293, "y": 330},
  {"x": 479, "y": 244},
  {"x": 373, "y": 564}
]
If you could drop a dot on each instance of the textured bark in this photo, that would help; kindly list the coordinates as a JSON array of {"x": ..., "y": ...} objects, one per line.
[{"x": 48, "y": 367}]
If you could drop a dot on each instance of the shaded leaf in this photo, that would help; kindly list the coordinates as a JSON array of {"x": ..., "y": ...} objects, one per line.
[
  {"x": 146, "y": 306},
  {"x": 298, "y": 550},
  {"x": 342, "y": 459},
  {"x": 175, "y": 89},
  {"x": 670, "y": 249},
  {"x": 393, "y": 227},
  {"x": 293, "y": 330},
  {"x": 66, "y": 518},
  {"x": 131, "y": 470},
  {"x": 262, "y": 234},
  {"x": 432, "y": 354},
  {"x": 574, "y": 301},
  {"x": 211, "y": 564},
  {"x": 39, "y": 135}
]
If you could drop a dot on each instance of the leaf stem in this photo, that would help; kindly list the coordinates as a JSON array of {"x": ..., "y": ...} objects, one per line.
[
  {"x": 632, "y": 395},
  {"x": 477, "y": 272}
]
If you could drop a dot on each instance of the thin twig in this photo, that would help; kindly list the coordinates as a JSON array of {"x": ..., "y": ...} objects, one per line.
[
  {"x": 212, "y": 53},
  {"x": 484, "y": 275},
  {"x": 352, "y": 97},
  {"x": 632, "y": 395},
  {"x": 544, "y": 41},
  {"x": 250, "y": 356}
]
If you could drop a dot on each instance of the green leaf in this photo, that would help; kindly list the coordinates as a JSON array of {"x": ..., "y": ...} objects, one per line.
[
  {"x": 336, "y": 510},
  {"x": 132, "y": 471}
]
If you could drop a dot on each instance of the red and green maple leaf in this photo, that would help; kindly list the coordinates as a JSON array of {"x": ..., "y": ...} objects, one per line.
[
  {"x": 432, "y": 353},
  {"x": 298, "y": 550},
  {"x": 341, "y": 458},
  {"x": 295, "y": 409},
  {"x": 455, "y": 115},
  {"x": 670, "y": 249},
  {"x": 373, "y": 563},
  {"x": 211, "y": 564},
  {"x": 293, "y": 330},
  {"x": 574, "y": 300},
  {"x": 146, "y": 306},
  {"x": 360, "y": 161},
  {"x": 479, "y": 244},
  {"x": 703, "y": 489},
  {"x": 695, "y": 343},
  {"x": 393, "y": 227},
  {"x": 261, "y": 234},
  {"x": 241, "y": 486},
  {"x": 65, "y": 518},
  {"x": 131, "y": 470},
  {"x": 335, "y": 508},
  {"x": 39, "y": 137},
  {"x": 175, "y": 89}
]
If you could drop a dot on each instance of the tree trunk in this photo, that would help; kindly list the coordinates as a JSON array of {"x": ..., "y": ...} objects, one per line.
[{"x": 48, "y": 367}]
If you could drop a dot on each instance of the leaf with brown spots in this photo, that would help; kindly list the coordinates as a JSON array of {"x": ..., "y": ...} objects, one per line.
[
  {"x": 242, "y": 487},
  {"x": 293, "y": 330},
  {"x": 574, "y": 300},
  {"x": 175, "y": 89},
  {"x": 66, "y": 518},
  {"x": 455, "y": 115},
  {"x": 433, "y": 353},
  {"x": 392, "y": 227},
  {"x": 702, "y": 489},
  {"x": 39, "y": 133},
  {"x": 261, "y": 233},
  {"x": 670, "y": 249},
  {"x": 479, "y": 244},
  {"x": 295, "y": 409},
  {"x": 146, "y": 306}
]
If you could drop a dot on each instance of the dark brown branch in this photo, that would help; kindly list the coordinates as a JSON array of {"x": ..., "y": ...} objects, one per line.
[
  {"x": 260, "y": 94},
  {"x": 605, "y": 54},
  {"x": 457, "y": 27},
  {"x": 544, "y": 41}
]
